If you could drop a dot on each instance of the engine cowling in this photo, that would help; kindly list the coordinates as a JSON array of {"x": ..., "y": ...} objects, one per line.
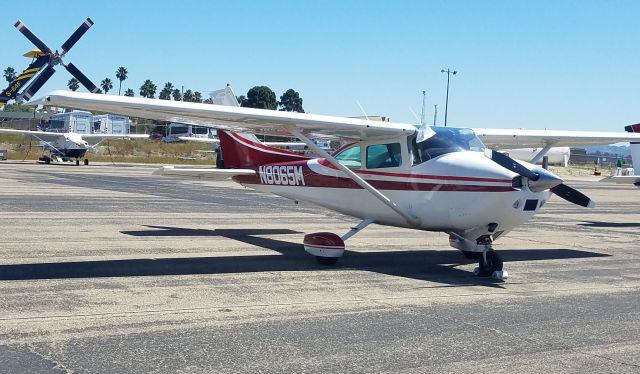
[{"x": 324, "y": 244}]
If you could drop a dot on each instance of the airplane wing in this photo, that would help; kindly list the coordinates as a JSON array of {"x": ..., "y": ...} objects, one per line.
[
  {"x": 95, "y": 139},
  {"x": 237, "y": 119},
  {"x": 201, "y": 173},
  {"x": 517, "y": 138},
  {"x": 40, "y": 135}
]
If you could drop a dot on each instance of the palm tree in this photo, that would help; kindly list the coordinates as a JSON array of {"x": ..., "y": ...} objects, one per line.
[
  {"x": 165, "y": 94},
  {"x": 197, "y": 97},
  {"x": 129, "y": 92},
  {"x": 106, "y": 85},
  {"x": 177, "y": 95},
  {"x": 121, "y": 74},
  {"x": 188, "y": 96},
  {"x": 10, "y": 74},
  {"x": 73, "y": 84},
  {"x": 148, "y": 89}
]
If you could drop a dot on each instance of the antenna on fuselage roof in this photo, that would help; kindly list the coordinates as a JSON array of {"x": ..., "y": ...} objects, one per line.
[
  {"x": 414, "y": 114},
  {"x": 424, "y": 104},
  {"x": 362, "y": 109}
]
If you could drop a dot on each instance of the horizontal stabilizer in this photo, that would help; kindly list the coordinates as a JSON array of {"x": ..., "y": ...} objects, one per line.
[
  {"x": 201, "y": 173},
  {"x": 624, "y": 179}
]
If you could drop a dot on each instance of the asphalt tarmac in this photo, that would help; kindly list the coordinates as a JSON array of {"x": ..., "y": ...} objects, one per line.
[{"x": 107, "y": 269}]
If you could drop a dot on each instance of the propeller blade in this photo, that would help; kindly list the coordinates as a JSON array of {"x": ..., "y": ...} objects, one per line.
[
  {"x": 511, "y": 164},
  {"x": 32, "y": 37},
  {"x": 82, "y": 78},
  {"x": 573, "y": 196},
  {"x": 36, "y": 84},
  {"x": 73, "y": 39}
]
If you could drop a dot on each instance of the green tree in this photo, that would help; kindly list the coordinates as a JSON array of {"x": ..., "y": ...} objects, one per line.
[
  {"x": 73, "y": 84},
  {"x": 148, "y": 89},
  {"x": 261, "y": 97},
  {"x": 208, "y": 101},
  {"x": 121, "y": 74},
  {"x": 165, "y": 94},
  {"x": 17, "y": 107},
  {"x": 241, "y": 99},
  {"x": 188, "y": 96},
  {"x": 106, "y": 85},
  {"x": 291, "y": 101},
  {"x": 197, "y": 97},
  {"x": 9, "y": 74},
  {"x": 177, "y": 95},
  {"x": 129, "y": 92}
]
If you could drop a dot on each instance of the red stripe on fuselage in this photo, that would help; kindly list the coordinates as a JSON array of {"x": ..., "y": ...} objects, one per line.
[
  {"x": 313, "y": 179},
  {"x": 326, "y": 163}
]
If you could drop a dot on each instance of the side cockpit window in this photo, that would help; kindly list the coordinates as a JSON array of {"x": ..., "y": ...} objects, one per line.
[
  {"x": 351, "y": 157},
  {"x": 384, "y": 156}
]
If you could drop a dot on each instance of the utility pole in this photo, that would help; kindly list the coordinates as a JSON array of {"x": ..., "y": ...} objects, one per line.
[
  {"x": 435, "y": 114},
  {"x": 446, "y": 105},
  {"x": 424, "y": 103}
]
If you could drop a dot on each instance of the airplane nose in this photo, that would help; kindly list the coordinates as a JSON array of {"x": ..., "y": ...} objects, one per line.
[{"x": 546, "y": 180}]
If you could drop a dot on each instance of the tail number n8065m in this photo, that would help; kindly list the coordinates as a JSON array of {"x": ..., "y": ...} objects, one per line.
[{"x": 282, "y": 175}]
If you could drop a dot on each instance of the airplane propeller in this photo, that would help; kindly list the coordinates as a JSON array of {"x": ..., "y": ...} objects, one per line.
[
  {"x": 541, "y": 179},
  {"x": 50, "y": 58}
]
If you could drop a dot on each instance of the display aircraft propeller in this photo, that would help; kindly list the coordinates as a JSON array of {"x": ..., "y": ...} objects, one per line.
[
  {"x": 44, "y": 59},
  {"x": 429, "y": 178},
  {"x": 65, "y": 146}
]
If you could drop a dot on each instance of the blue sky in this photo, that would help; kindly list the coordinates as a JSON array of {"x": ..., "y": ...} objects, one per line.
[{"x": 571, "y": 65}]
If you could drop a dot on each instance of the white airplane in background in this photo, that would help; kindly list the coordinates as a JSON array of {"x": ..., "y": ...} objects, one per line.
[
  {"x": 430, "y": 178},
  {"x": 68, "y": 145},
  {"x": 555, "y": 155},
  {"x": 635, "y": 159}
]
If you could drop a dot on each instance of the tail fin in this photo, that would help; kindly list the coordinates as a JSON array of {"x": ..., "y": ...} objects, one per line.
[
  {"x": 245, "y": 151},
  {"x": 634, "y": 148}
]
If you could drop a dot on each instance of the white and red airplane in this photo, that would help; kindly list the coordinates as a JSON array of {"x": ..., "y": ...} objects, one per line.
[{"x": 430, "y": 178}]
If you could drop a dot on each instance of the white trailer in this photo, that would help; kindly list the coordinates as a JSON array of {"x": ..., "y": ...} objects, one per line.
[
  {"x": 111, "y": 124},
  {"x": 79, "y": 122}
]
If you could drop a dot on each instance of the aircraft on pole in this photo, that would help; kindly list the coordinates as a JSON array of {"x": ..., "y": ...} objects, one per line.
[{"x": 440, "y": 179}]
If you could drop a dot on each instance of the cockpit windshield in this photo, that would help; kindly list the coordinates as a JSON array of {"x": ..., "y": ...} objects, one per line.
[{"x": 438, "y": 141}]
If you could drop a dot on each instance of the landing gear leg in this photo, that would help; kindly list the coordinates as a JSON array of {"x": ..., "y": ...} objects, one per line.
[{"x": 490, "y": 263}]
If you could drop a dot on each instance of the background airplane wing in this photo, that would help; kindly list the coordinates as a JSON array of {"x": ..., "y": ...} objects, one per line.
[
  {"x": 516, "y": 138},
  {"x": 40, "y": 135},
  {"x": 95, "y": 139},
  {"x": 226, "y": 117},
  {"x": 201, "y": 140}
]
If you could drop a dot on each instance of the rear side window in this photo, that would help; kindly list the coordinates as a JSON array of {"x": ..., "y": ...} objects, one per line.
[
  {"x": 384, "y": 156},
  {"x": 351, "y": 157}
]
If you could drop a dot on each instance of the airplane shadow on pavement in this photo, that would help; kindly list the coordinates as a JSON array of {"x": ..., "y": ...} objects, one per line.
[{"x": 430, "y": 265}]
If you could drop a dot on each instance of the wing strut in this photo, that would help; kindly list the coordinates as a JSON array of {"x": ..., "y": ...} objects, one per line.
[
  {"x": 541, "y": 154},
  {"x": 413, "y": 221}
]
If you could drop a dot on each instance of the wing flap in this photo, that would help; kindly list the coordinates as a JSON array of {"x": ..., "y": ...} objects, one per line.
[{"x": 201, "y": 173}]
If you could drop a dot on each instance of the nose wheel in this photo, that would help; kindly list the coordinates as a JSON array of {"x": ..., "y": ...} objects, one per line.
[{"x": 490, "y": 265}]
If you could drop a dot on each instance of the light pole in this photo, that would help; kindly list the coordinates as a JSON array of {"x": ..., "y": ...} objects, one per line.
[{"x": 446, "y": 104}]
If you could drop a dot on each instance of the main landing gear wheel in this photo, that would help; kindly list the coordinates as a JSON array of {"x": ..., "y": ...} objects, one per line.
[
  {"x": 86, "y": 161},
  {"x": 77, "y": 162},
  {"x": 490, "y": 265}
]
